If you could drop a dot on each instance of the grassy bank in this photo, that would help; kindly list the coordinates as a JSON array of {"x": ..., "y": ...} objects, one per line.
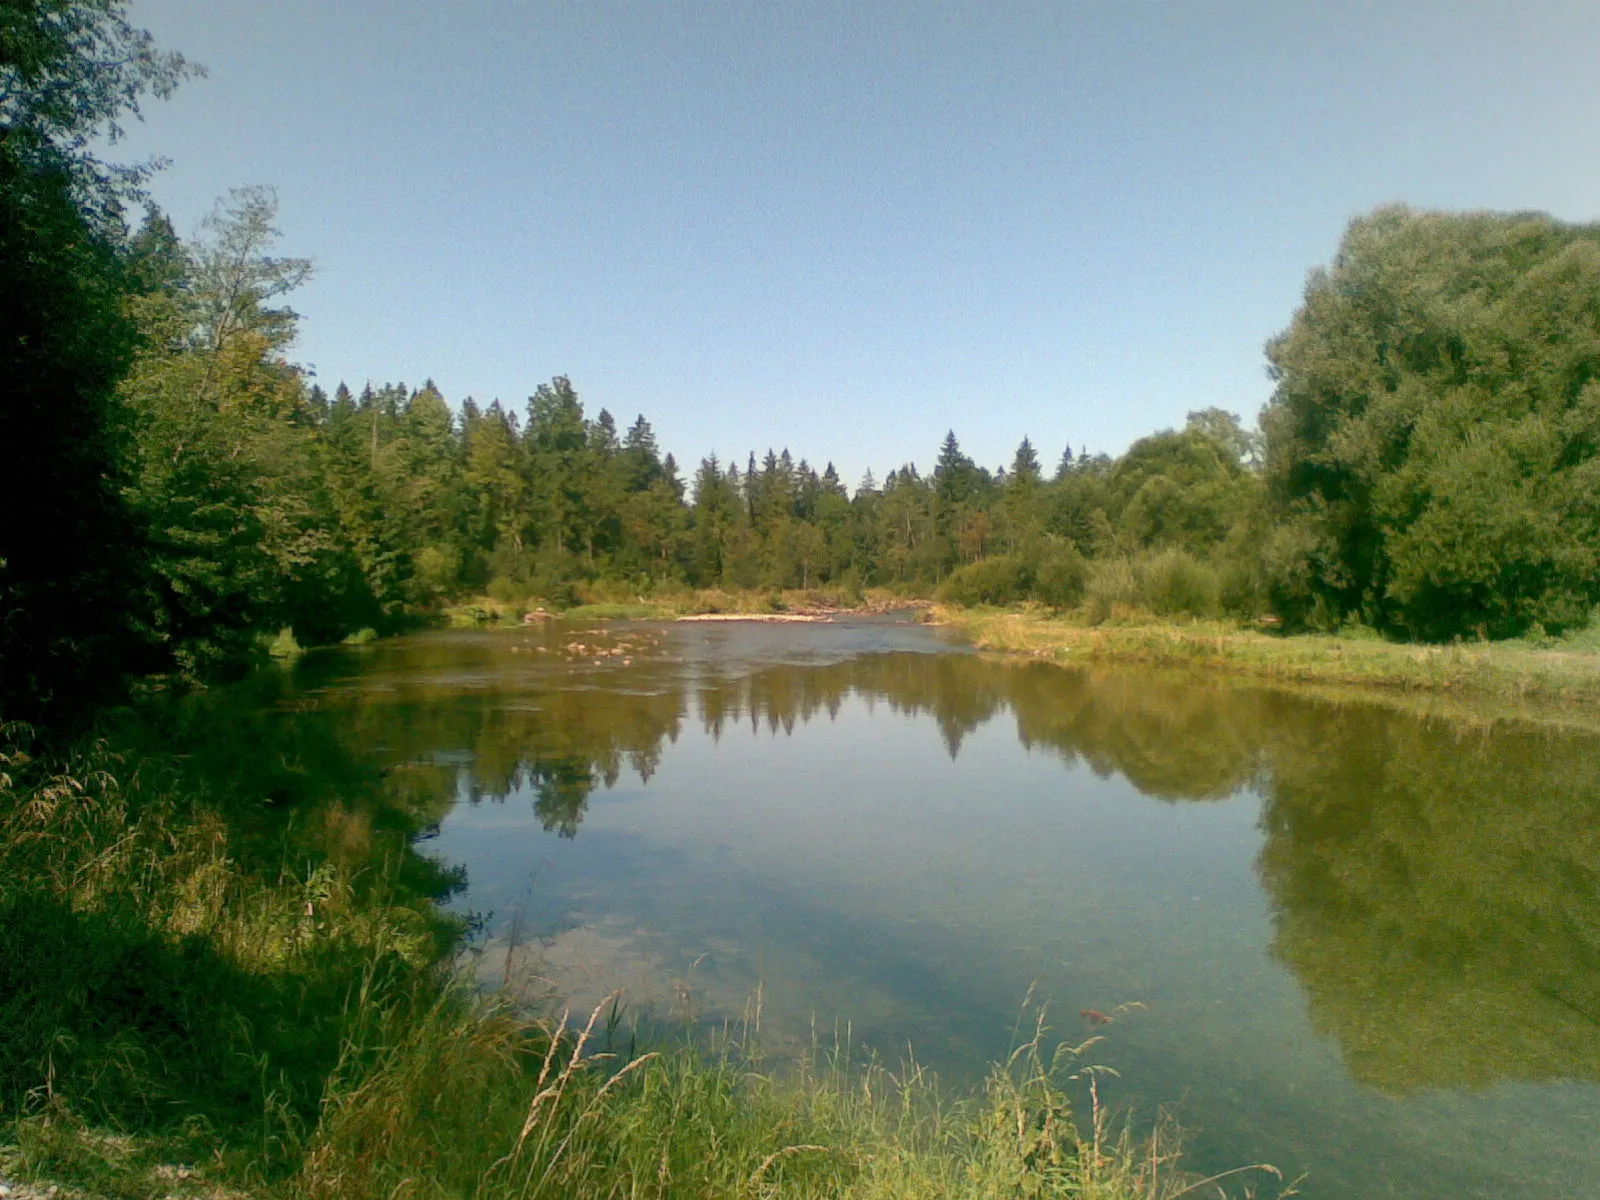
[
  {"x": 1560, "y": 671},
  {"x": 223, "y": 973}
]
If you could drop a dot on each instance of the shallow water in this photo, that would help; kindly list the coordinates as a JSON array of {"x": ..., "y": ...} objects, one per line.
[{"x": 1366, "y": 944}]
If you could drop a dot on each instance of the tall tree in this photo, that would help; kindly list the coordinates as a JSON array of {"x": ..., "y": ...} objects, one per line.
[
  {"x": 235, "y": 278},
  {"x": 70, "y": 71},
  {"x": 235, "y": 510},
  {"x": 1021, "y": 506},
  {"x": 1432, "y": 442}
]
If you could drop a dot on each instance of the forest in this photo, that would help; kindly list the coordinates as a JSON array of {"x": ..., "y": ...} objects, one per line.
[{"x": 1426, "y": 467}]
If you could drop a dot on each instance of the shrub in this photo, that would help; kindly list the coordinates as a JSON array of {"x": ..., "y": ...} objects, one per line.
[
  {"x": 1001, "y": 579},
  {"x": 1353, "y": 629},
  {"x": 715, "y": 600},
  {"x": 558, "y": 594},
  {"x": 614, "y": 591},
  {"x": 1061, "y": 576},
  {"x": 437, "y": 569},
  {"x": 849, "y": 583},
  {"x": 1110, "y": 584},
  {"x": 1241, "y": 568},
  {"x": 1243, "y": 589},
  {"x": 1587, "y": 638},
  {"x": 507, "y": 591},
  {"x": 284, "y": 645},
  {"x": 1175, "y": 582}
]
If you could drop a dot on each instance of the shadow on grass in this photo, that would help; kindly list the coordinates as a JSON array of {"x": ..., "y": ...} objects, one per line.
[
  {"x": 139, "y": 1029},
  {"x": 202, "y": 918}
]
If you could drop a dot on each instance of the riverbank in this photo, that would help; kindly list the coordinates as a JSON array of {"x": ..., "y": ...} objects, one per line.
[
  {"x": 1560, "y": 671},
  {"x": 223, "y": 974},
  {"x": 700, "y": 604}
]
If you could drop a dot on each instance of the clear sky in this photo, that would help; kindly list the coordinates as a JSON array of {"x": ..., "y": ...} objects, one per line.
[{"x": 844, "y": 228}]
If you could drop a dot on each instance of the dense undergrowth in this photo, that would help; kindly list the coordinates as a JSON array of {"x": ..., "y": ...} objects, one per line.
[{"x": 223, "y": 972}]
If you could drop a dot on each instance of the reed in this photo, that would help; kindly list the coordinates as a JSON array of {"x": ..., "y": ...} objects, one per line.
[{"x": 477, "y": 1103}]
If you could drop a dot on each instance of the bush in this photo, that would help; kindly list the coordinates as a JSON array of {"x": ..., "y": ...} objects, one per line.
[
  {"x": 1297, "y": 562},
  {"x": 284, "y": 646},
  {"x": 619, "y": 590},
  {"x": 507, "y": 591},
  {"x": 849, "y": 584},
  {"x": 1001, "y": 579},
  {"x": 437, "y": 569},
  {"x": 1243, "y": 589},
  {"x": 1110, "y": 584},
  {"x": 1585, "y": 639},
  {"x": 1353, "y": 629},
  {"x": 714, "y": 600},
  {"x": 1061, "y": 576},
  {"x": 1241, "y": 567},
  {"x": 1176, "y": 583},
  {"x": 555, "y": 593},
  {"x": 558, "y": 594}
]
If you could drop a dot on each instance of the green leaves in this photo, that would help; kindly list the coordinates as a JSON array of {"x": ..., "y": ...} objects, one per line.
[
  {"x": 229, "y": 477},
  {"x": 1433, "y": 429},
  {"x": 70, "y": 70},
  {"x": 234, "y": 277}
]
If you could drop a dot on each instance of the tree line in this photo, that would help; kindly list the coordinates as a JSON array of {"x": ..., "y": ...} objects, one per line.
[{"x": 1426, "y": 467}]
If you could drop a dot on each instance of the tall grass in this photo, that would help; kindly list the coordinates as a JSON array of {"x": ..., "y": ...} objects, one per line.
[
  {"x": 1557, "y": 676},
  {"x": 469, "y": 1104},
  {"x": 190, "y": 955}
]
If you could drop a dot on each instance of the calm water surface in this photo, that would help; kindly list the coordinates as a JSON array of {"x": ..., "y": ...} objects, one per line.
[{"x": 1367, "y": 944}]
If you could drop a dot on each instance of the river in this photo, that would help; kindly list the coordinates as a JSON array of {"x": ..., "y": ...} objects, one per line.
[{"x": 1356, "y": 941}]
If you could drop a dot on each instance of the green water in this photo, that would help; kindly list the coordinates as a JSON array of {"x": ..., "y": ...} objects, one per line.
[{"x": 1367, "y": 944}]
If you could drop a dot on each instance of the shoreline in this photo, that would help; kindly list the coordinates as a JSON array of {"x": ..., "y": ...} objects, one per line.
[
  {"x": 796, "y": 605},
  {"x": 771, "y": 617},
  {"x": 1502, "y": 672}
]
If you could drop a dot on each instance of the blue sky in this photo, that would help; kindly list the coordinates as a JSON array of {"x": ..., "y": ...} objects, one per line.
[{"x": 845, "y": 228}]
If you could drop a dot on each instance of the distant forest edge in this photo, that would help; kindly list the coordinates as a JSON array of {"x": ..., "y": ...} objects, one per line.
[{"x": 1428, "y": 466}]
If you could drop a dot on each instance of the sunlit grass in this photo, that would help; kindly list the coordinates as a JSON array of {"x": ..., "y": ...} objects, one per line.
[
  {"x": 1556, "y": 670},
  {"x": 484, "y": 1104}
]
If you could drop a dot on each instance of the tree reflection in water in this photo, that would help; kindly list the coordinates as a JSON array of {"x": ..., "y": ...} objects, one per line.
[{"x": 1435, "y": 885}]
